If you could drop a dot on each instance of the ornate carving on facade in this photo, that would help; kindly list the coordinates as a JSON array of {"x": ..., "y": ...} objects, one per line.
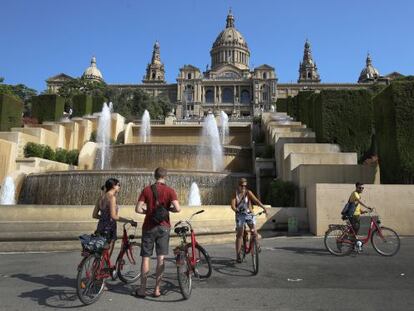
[
  {"x": 155, "y": 70},
  {"x": 92, "y": 73},
  {"x": 308, "y": 72}
]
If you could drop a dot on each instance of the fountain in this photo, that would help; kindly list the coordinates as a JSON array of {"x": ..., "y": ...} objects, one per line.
[
  {"x": 103, "y": 134},
  {"x": 145, "y": 130},
  {"x": 7, "y": 192},
  {"x": 210, "y": 146},
  {"x": 194, "y": 195},
  {"x": 224, "y": 127}
]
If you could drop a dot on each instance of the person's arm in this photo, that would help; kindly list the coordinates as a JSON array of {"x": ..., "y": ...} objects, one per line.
[
  {"x": 139, "y": 207},
  {"x": 233, "y": 204},
  {"x": 175, "y": 206},
  {"x": 95, "y": 213},
  {"x": 114, "y": 214},
  {"x": 256, "y": 201}
]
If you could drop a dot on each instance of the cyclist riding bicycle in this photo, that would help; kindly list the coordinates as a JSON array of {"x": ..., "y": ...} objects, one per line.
[
  {"x": 355, "y": 198},
  {"x": 241, "y": 204}
]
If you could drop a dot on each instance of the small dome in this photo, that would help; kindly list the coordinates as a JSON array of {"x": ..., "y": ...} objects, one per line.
[
  {"x": 369, "y": 72},
  {"x": 92, "y": 72}
]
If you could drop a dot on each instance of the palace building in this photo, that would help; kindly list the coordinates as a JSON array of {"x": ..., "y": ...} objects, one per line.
[{"x": 229, "y": 84}]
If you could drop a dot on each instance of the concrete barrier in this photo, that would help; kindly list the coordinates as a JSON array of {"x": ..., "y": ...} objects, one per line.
[
  {"x": 46, "y": 228},
  {"x": 393, "y": 203}
]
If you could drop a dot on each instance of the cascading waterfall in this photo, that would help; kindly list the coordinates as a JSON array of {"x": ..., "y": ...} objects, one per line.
[
  {"x": 194, "y": 195},
  {"x": 103, "y": 137},
  {"x": 145, "y": 130},
  {"x": 7, "y": 192},
  {"x": 210, "y": 146},
  {"x": 224, "y": 127}
]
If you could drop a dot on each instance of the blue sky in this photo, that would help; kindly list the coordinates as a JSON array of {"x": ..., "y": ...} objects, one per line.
[{"x": 45, "y": 37}]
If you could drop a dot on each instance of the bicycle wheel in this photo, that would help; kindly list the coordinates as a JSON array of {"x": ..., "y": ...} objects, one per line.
[
  {"x": 337, "y": 242},
  {"x": 184, "y": 278},
  {"x": 203, "y": 265},
  {"x": 129, "y": 265},
  {"x": 385, "y": 241},
  {"x": 88, "y": 288},
  {"x": 255, "y": 257}
]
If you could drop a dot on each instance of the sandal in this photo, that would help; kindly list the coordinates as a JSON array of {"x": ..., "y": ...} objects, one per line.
[{"x": 136, "y": 293}]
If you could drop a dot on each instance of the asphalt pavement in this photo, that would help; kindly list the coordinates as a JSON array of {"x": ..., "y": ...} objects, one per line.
[{"x": 296, "y": 273}]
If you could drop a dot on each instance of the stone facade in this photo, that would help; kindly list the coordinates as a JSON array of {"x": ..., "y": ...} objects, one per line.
[{"x": 229, "y": 84}]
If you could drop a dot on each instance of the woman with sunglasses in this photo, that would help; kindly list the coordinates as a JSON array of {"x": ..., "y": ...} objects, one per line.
[{"x": 242, "y": 204}]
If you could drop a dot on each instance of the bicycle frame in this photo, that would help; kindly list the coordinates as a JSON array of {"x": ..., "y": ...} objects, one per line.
[
  {"x": 372, "y": 227},
  {"x": 253, "y": 235},
  {"x": 126, "y": 247},
  {"x": 193, "y": 259}
]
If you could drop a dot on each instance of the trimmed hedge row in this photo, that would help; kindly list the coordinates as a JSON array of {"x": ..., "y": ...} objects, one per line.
[
  {"x": 48, "y": 107},
  {"x": 394, "y": 125},
  {"x": 46, "y": 152},
  {"x": 282, "y": 193},
  {"x": 11, "y": 111},
  {"x": 81, "y": 105}
]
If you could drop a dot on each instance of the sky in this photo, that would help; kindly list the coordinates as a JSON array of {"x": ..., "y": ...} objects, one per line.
[{"x": 40, "y": 39}]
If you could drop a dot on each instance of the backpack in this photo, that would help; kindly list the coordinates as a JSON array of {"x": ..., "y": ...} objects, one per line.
[
  {"x": 348, "y": 210},
  {"x": 160, "y": 213}
]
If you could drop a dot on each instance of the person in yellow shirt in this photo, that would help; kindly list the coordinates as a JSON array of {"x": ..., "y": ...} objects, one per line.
[{"x": 355, "y": 198}]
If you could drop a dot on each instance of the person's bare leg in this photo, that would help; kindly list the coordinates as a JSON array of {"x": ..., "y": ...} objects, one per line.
[
  {"x": 144, "y": 275},
  {"x": 239, "y": 237},
  {"x": 159, "y": 274}
]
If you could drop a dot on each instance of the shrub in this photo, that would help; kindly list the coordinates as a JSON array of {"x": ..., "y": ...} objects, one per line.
[
  {"x": 60, "y": 155},
  {"x": 72, "y": 157},
  {"x": 47, "y": 107},
  {"x": 394, "y": 120},
  {"x": 48, "y": 153},
  {"x": 11, "y": 110},
  {"x": 33, "y": 150},
  {"x": 81, "y": 105},
  {"x": 282, "y": 193}
]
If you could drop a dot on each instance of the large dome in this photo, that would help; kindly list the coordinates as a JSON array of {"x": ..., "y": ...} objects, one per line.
[
  {"x": 92, "y": 72},
  {"x": 230, "y": 47}
]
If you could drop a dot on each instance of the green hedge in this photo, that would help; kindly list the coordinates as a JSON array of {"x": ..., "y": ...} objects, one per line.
[
  {"x": 282, "y": 193},
  {"x": 81, "y": 105},
  {"x": 11, "y": 110},
  {"x": 343, "y": 117},
  {"x": 46, "y": 152},
  {"x": 394, "y": 125},
  {"x": 282, "y": 104},
  {"x": 97, "y": 103},
  {"x": 48, "y": 107},
  {"x": 305, "y": 107}
]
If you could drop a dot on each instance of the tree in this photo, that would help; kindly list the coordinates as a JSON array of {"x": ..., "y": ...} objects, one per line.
[
  {"x": 80, "y": 86},
  {"x": 19, "y": 91}
]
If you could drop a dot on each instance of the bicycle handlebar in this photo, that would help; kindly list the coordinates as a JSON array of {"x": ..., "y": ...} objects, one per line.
[{"x": 189, "y": 219}]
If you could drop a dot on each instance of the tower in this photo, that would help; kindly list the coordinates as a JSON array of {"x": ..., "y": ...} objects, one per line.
[
  {"x": 155, "y": 70},
  {"x": 369, "y": 73},
  {"x": 308, "y": 72}
]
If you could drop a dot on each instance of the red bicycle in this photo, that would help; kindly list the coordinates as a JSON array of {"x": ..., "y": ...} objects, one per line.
[
  {"x": 191, "y": 257},
  {"x": 96, "y": 265},
  {"x": 250, "y": 246},
  {"x": 341, "y": 240}
]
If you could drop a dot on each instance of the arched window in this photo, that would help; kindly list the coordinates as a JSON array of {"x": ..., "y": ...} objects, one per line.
[
  {"x": 309, "y": 75},
  {"x": 153, "y": 74},
  {"x": 189, "y": 76},
  {"x": 209, "y": 96},
  {"x": 227, "y": 95},
  {"x": 264, "y": 75},
  {"x": 245, "y": 97}
]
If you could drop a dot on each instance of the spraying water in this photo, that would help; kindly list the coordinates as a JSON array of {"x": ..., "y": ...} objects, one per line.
[
  {"x": 194, "y": 195},
  {"x": 7, "y": 192},
  {"x": 224, "y": 127},
  {"x": 103, "y": 137},
  {"x": 145, "y": 130},
  {"x": 210, "y": 147}
]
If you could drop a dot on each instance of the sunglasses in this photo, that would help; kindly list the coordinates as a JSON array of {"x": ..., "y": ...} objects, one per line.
[
  {"x": 243, "y": 186},
  {"x": 362, "y": 188}
]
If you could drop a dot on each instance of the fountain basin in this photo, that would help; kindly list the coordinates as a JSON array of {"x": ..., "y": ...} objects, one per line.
[
  {"x": 177, "y": 157},
  {"x": 83, "y": 187}
]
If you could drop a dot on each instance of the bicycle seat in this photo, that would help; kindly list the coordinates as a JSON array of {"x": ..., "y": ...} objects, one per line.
[{"x": 181, "y": 230}]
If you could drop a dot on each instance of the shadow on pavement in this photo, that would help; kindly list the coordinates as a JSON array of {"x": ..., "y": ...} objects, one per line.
[
  {"x": 301, "y": 250},
  {"x": 229, "y": 266},
  {"x": 63, "y": 297}
]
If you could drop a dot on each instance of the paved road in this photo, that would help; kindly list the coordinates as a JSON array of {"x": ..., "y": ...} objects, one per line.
[{"x": 296, "y": 273}]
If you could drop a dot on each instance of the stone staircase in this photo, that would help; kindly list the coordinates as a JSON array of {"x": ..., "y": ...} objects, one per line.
[{"x": 304, "y": 162}]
